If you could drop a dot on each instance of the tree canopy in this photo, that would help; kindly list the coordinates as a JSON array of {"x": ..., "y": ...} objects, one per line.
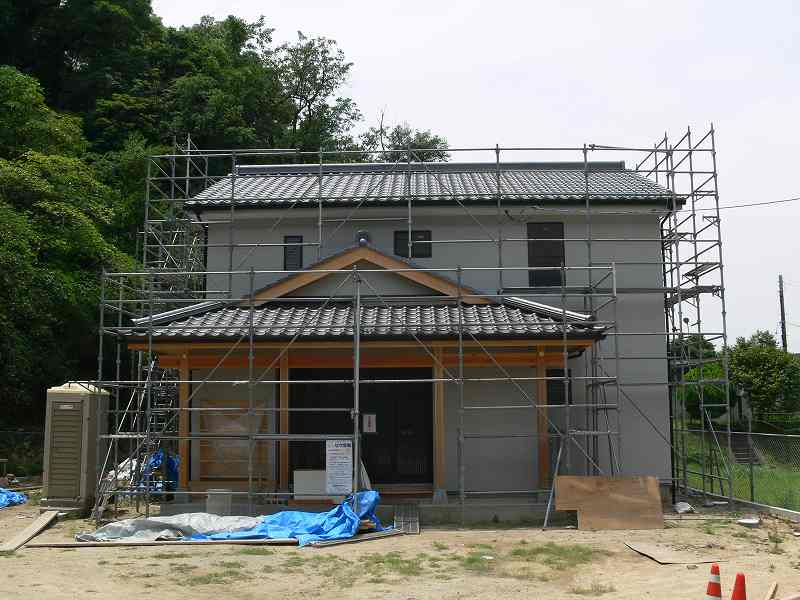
[
  {"x": 88, "y": 90},
  {"x": 769, "y": 376}
]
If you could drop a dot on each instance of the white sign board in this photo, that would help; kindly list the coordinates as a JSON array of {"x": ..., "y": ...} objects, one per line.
[
  {"x": 370, "y": 423},
  {"x": 339, "y": 467}
]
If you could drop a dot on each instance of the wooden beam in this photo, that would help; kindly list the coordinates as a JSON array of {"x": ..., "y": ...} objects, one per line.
[
  {"x": 184, "y": 447},
  {"x": 30, "y": 532},
  {"x": 438, "y": 423},
  {"x": 542, "y": 426},
  {"x": 397, "y": 360},
  {"x": 344, "y": 261},
  {"x": 283, "y": 479}
]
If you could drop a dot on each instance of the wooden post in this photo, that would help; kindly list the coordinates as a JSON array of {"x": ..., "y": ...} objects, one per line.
[
  {"x": 184, "y": 445},
  {"x": 542, "y": 427},
  {"x": 283, "y": 375},
  {"x": 439, "y": 483}
]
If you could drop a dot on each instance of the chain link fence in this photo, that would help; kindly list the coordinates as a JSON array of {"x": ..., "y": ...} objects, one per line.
[{"x": 764, "y": 467}]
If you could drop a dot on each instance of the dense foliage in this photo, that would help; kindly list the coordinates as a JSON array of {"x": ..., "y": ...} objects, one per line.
[
  {"x": 89, "y": 88},
  {"x": 768, "y": 377}
]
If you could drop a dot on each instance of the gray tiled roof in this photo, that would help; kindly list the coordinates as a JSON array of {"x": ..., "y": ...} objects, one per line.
[
  {"x": 282, "y": 321},
  {"x": 434, "y": 182}
]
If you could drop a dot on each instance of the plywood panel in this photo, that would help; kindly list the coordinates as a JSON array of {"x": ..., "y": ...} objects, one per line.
[
  {"x": 221, "y": 459},
  {"x": 611, "y": 502}
]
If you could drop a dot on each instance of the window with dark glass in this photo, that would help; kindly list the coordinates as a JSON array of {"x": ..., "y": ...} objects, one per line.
[
  {"x": 292, "y": 255},
  {"x": 419, "y": 248},
  {"x": 545, "y": 249}
]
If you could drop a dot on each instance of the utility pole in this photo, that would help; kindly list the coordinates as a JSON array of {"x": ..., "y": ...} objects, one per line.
[{"x": 783, "y": 312}]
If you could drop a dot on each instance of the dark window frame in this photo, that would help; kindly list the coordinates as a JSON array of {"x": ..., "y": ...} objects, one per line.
[
  {"x": 546, "y": 253},
  {"x": 419, "y": 249},
  {"x": 288, "y": 250}
]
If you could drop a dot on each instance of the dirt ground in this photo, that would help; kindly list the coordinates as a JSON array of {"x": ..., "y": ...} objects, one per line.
[{"x": 439, "y": 563}]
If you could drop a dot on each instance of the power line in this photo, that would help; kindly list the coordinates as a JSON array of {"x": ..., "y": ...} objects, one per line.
[{"x": 770, "y": 202}]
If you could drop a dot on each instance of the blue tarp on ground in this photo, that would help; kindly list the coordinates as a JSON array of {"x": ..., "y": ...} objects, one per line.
[
  {"x": 9, "y": 498},
  {"x": 341, "y": 522}
]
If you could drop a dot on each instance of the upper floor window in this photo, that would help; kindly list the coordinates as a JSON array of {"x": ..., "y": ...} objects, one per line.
[
  {"x": 292, "y": 255},
  {"x": 545, "y": 249},
  {"x": 419, "y": 249}
]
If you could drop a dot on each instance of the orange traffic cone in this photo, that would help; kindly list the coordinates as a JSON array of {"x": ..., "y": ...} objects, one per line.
[
  {"x": 739, "y": 590},
  {"x": 714, "y": 589}
]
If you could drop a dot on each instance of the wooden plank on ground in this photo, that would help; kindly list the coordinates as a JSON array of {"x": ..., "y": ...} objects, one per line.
[
  {"x": 119, "y": 543},
  {"x": 361, "y": 537},
  {"x": 611, "y": 502},
  {"x": 664, "y": 555},
  {"x": 30, "y": 531}
]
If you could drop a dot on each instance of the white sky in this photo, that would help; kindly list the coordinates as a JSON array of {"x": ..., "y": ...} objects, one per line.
[{"x": 565, "y": 73}]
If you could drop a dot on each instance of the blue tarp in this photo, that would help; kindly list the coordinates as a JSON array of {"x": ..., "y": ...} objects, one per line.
[
  {"x": 170, "y": 470},
  {"x": 9, "y": 498},
  {"x": 338, "y": 523}
]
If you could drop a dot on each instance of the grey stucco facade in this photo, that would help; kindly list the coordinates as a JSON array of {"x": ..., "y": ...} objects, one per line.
[{"x": 494, "y": 464}]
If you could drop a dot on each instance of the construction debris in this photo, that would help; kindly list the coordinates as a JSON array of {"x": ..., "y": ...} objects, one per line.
[
  {"x": 124, "y": 543},
  {"x": 611, "y": 502},
  {"x": 30, "y": 531},
  {"x": 342, "y": 522},
  {"x": 665, "y": 555},
  {"x": 11, "y": 498},
  {"x": 752, "y": 522}
]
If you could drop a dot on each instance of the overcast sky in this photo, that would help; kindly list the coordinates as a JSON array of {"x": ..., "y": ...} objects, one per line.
[{"x": 564, "y": 73}]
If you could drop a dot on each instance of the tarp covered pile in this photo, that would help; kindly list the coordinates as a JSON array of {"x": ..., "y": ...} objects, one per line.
[
  {"x": 341, "y": 522},
  {"x": 10, "y": 498}
]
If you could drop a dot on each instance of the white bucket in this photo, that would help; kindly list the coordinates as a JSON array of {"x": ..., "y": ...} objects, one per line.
[{"x": 218, "y": 502}]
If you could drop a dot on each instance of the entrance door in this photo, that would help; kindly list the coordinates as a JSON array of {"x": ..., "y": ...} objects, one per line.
[{"x": 401, "y": 448}]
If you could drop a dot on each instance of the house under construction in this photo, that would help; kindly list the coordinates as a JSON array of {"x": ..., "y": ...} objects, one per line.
[{"x": 452, "y": 333}]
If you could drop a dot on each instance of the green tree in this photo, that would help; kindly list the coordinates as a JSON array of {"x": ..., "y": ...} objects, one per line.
[
  {"x": 712, "y": 393},
  {"x": 770, "y": 376},
  {"x": 56, "y": 220},
  {"x": 80, "y": 50},
  {"x": 414, "y": 144}
]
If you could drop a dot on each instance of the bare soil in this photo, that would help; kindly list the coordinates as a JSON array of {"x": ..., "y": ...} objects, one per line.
[{"x": 438, "y": 563}]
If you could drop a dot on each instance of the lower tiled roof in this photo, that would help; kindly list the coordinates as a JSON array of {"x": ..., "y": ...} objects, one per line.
[{"x": 335, "y": 320}]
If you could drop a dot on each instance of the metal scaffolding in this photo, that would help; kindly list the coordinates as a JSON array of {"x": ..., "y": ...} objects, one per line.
[{"x": 152, "y": 403}]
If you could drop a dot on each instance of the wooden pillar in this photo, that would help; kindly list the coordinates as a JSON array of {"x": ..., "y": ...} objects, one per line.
[
  {"x": 543, "y": 425},
  {"x": 184, "y": 416},
  {"x": 439, "y": 483},
  {"x": 283, "y": 375}
]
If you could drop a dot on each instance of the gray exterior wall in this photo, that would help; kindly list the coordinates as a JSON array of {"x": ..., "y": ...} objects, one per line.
[{"x": 643, "y": 367}]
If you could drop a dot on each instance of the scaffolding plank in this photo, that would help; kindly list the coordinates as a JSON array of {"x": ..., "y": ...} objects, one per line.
[
  {"x": 120, "y": 543},
  {"x": 362, "y": 537},
  {"x": 30, "y": 531}
]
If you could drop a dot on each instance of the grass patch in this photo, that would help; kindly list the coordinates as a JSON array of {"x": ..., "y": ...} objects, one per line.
[
  {"x": 392, "y": 562},
  {"x": 207, "y": 579},
  {"x": 215, "y": 578},
  {"x": 477, "y": 562},
  {"x": 558, "y": 556},
  {"x": 230, "y": 564},
  {"x": 255, "y": 551},
  {"x": 8, "y": 554},
  {"x": 293, "y": 562},
  {"x": 440, "y": 546},
  {"x": 485, "y": 547},
  {"x": 181, "y": 567},
  {"x": 171, "y": 555},
  {"x": 595, "y": 589}
]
